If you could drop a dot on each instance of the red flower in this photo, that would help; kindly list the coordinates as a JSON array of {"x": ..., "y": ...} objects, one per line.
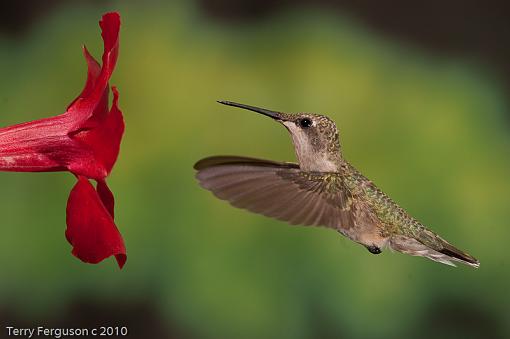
[{"x": 85, "y": 141}]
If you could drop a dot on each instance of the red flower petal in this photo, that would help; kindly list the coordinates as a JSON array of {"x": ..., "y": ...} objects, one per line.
[
  {"x": 93, "y": 94},
  {"x": 110, "y": 25},
  {"x": 93, "y": 71},
  {"x": 90, "y": 227},
  {"x": 103, "y": 141},
  {"x": 106, "y": 197}
]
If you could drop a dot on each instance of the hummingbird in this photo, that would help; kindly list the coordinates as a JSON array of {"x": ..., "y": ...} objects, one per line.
[{"x": 322, "y": 189}]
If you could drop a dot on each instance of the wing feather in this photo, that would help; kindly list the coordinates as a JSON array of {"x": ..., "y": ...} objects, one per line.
[{"x": 279, "y": 190}]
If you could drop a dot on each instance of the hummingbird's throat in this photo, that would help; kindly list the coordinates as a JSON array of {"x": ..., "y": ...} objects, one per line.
[{"x": 315, "y": 152}]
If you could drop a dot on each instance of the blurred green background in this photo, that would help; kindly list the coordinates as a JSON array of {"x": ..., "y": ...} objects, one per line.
[{"x": 431, "y": 129}]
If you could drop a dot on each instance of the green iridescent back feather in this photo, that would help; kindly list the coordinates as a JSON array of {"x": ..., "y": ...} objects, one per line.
[{"x": 394, "y": 218}]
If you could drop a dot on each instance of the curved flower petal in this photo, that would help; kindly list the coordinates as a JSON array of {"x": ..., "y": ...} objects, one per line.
[
  {"x": 102, "y": 142},
  {"x": 90, "y": 227},
  {"x": 93, "y": 71},
  {"x": 84, "y": 107},
  {"x": 110, "y": 26},
  {"x": 106, "y": 197}
]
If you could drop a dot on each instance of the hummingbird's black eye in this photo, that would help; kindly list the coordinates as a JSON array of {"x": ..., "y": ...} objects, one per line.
[{"x": 305, "y": 122}]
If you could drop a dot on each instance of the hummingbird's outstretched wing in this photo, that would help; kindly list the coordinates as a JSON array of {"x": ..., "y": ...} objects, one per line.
[{"x": 279, "y": 190}]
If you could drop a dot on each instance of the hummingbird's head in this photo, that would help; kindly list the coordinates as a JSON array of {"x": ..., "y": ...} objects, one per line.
[{"x": 315, "y": 138}]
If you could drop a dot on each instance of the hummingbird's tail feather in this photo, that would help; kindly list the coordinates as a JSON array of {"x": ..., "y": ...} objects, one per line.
[
  {"x": 458, "y": 255},
  {"x": 438, "y": 250}
]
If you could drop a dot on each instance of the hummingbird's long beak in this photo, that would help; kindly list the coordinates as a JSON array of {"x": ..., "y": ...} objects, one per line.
[{"x": 271, "y": 114}]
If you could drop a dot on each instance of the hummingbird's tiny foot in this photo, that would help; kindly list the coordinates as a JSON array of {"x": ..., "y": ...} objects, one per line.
[{"x": 374, "y": 249}]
